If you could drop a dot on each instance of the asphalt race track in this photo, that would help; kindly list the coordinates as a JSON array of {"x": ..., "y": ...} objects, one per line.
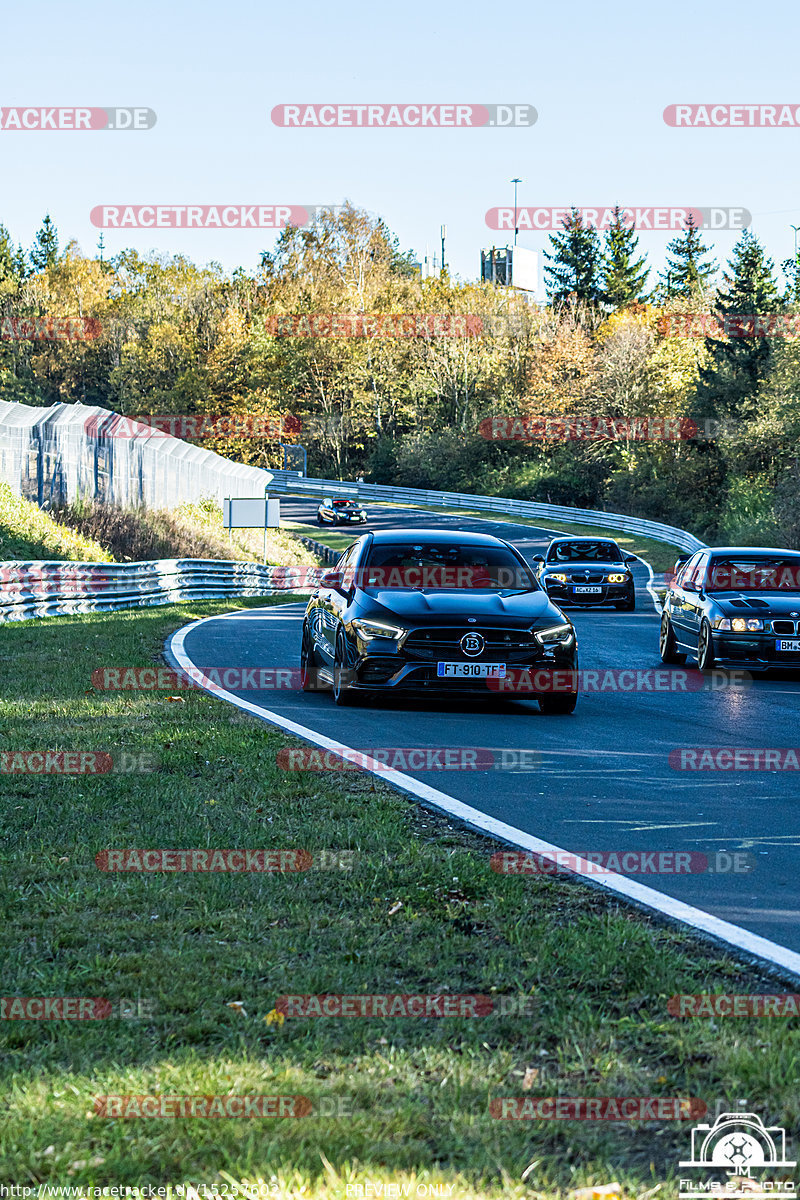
[{"x": 604, "y": 780}]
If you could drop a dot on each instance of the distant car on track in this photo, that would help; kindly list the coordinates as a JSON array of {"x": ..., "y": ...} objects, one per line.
[
  {"x": 341, "y": 512},
  {"x": 587, "y": 571},
  {"x": 429, "y": 611},
  {"x": 734, "y": 606}
]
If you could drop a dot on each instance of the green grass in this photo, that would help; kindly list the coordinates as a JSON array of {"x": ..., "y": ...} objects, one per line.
[
  {"x": 419, "y": 912},
  {"x": 27, "y": 532},
  {"x": 97, "y": 533},
  {"x": 192, "y": 530},
  {"x": 329, "y": 537},
  {"x": 660, "y": 555}
]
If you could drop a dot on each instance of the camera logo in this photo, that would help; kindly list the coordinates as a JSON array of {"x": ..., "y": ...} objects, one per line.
[{"x": 737, "y": 1143}]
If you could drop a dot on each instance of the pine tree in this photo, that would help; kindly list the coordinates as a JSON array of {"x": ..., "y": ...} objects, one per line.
[
  {"x": 6, "y": 255},
  {"x": 44, "y": 252},
  {"x": 686, "y": 273},
  {"x": 791, "y": 269},
  {"x": 623, "y": 278},
  {"x": 12, "y": 261},
  {"x": 739, "y": 363},
  {"x": 576, "y": 260}
]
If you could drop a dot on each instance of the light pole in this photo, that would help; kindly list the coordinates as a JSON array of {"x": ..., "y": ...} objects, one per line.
[
  {"x": 515, "y": 182},
  {"x": 795, "y": 228},
  {"x": 444, "y": 235}
]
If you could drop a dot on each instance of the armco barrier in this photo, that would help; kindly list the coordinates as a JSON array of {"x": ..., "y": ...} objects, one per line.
[
  {"x": 42, "y": 589},
  {"x": 289, "y": 482}
]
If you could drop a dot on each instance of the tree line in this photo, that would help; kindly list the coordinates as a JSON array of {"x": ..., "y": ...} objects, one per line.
[{"x": 165, "y": 336}]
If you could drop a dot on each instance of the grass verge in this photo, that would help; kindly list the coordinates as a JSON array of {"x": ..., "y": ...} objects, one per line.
[
  {"x": 192, "y": 530},
  {"x": 329, "y": 537},
  {"x": 202, "y": 958},
  {"x": 660, "y": 555},
  {"x": 26, "y": 532}
]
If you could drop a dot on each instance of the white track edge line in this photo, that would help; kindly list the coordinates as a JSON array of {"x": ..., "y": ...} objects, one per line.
[
  {"x": 649, "y": 585},
  {"x": 677, "y": 910}
]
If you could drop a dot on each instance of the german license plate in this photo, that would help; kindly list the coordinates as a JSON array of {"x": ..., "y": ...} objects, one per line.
[
  {"x": 588, "y": 591},
  {"x": 788, "y": 646},
  {"x": 463, "y": 670}
]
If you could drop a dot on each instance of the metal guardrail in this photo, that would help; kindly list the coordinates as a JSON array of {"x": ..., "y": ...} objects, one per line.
[
  {"x": 326, "y": 553},
  {"x": 43, "y": 589},
  {"x": 289, "y": 482}
]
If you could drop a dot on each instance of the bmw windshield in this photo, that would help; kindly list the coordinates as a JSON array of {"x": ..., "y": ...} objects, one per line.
[
  {"x": 590, "y": 551},
  {"x": 752, "y": 574}
]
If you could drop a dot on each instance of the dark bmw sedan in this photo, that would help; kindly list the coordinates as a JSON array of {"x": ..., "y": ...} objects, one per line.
[
  {"x": 734, "y": 607},
  {"x": 428, "y": 611},
  {"x": 587, "y": 571}
]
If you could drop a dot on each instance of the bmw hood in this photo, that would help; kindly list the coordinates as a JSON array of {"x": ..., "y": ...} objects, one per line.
[{"x": 744, "y": 604}]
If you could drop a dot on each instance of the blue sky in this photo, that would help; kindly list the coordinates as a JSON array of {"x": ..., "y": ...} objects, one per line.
[{"x": 598, "y": 75}]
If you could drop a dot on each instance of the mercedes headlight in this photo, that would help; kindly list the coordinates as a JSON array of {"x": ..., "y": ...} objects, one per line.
[
  {"x": 558, "y": 635},
  {"x": 377, "y": 629}
]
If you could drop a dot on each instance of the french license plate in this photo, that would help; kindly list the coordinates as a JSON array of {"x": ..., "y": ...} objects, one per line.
[
  {"x": 788, "y": 646},
  {"x": 588, "y": 591},
  {"x": 462, "y": 670}
]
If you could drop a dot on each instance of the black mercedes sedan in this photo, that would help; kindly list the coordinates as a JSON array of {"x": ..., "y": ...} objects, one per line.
[
  {"x": 429, "y": 611},
  {"x": 587, "y": 571},
  {"x": 734, "y": 606}
]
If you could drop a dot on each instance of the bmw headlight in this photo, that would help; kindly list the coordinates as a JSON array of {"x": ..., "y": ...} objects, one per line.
[
  {"x": 741, "y": 625},
  {"x": 558, "y": 635},
  {"x": 377, "y": 629},
  {"x": 618, "y": 578},
  {"x": 751, "y": 625},
  {"x": 557, "y": 578}
]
